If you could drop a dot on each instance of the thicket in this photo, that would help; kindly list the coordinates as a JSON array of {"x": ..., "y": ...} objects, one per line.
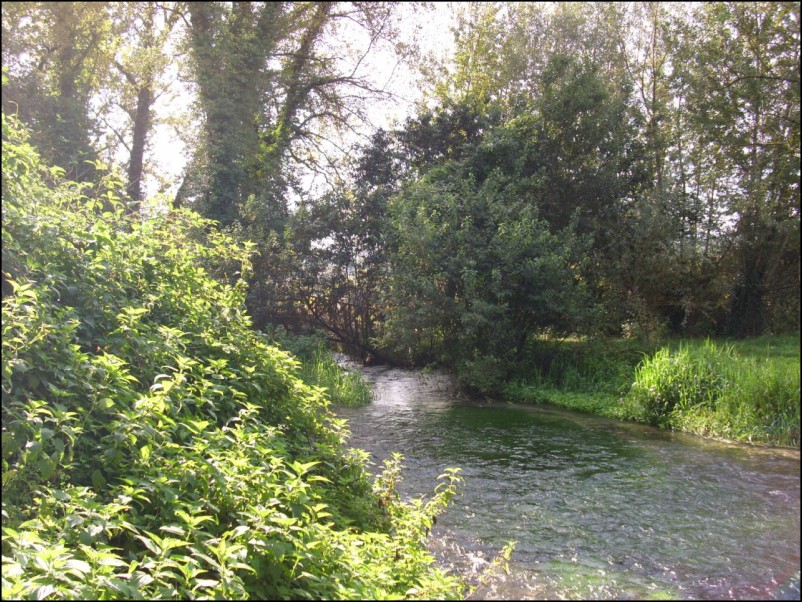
[
  {"x": 725, "y": 390},
  {"x": 154, "y": 445}
]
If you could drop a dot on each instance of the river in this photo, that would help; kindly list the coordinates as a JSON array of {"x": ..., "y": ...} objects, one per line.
[{"x": 598, "y": 508}]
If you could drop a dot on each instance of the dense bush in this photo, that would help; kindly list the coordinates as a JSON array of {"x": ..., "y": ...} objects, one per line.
[
  {"x": 477, "y": 273},
  {"x": 154, "y": 446}
]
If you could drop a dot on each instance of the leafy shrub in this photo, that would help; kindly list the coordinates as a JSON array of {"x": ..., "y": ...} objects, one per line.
[
  {"x": 670, "y": 381},
  {"x": 745, "y": 391},
  {"x": 154, "y": 446}
]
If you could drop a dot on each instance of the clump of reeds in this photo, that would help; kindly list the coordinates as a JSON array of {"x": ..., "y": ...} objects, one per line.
[
  {"x": 733, "y": 391},
  {"x": 345, "y": 387}
]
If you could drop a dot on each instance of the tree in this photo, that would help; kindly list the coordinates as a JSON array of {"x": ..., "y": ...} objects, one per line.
[
  {"x": 557, "y": 76},
  {"x": 230, "y": 51},
  {"x": 502, "y": 50},
  {"x": 146, "y": 29},
  {"x": 85, "y": 76},
  {"x": 342, "y": 238},
  {"x": 475, "y": 270},
  {"x": 271, "y": 89},
  {"x": 56, "y": 54},
  {"x": 745, "y": 98}
]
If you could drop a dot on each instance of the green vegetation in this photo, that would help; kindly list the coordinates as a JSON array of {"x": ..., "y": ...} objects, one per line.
[
  {"x": 344, "y": 387},
  {"x": 583, "y": 169},
  {"x": 591, "y": 170},
  {"x": 587, "y": 375},
  {"x": 737, "y": 390},
  {"x": 154, "y": 445}
]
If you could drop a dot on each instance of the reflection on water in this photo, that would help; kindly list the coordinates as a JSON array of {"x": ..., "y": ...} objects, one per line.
[{"x": 599, "y": 508}]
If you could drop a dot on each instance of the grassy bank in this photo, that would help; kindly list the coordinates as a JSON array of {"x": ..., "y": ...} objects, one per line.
[
  {"x": 737, "y": 390},
  {"x": 318, "y": 367}
]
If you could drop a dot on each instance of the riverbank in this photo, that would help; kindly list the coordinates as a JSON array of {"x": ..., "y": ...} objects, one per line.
[
  {"x": 343, "y": 386},
  {"x": 599, "y": 508},
  {"x": 745, "y": 391}
]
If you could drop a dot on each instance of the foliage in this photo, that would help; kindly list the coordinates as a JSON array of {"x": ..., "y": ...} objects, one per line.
[
  {"x": 340, "y": 242},
  {"x": 590, "y": 375},
  {"x": 154, "y": 446},
  {"x": 139, "y": 66},
  {"x": 746, "y": 390},
  {"x": 57, "y": 58},
  {"x": 741, "y": 72},
  {"x": 343, "y": 386},
  {"x": 723, "y": 390},
  {"x": 318, "y": 367},
  {"x": 475, "y": 269},
  {"x": 624, "y": 169},
  {"x": 675, "y": 131},
  {"x": 664, "y": 134},
  {"x": 584, "y": 364}
]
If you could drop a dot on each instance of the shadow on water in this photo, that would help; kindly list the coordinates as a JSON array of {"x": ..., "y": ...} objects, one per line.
[{"x": 599, "y": 508}]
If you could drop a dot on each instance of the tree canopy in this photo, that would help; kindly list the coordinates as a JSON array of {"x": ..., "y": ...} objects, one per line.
[{"x": 594, "y": 168}]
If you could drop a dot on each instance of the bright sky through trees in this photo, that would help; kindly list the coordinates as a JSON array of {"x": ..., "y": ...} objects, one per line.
[{"x": 428, "y": 27}]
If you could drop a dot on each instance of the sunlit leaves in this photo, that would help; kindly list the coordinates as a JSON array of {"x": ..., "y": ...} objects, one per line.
[{"x": 153, "y": 444}]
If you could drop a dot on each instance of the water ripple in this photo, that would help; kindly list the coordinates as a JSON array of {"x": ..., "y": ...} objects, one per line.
[{"x": 600, "y": 509}]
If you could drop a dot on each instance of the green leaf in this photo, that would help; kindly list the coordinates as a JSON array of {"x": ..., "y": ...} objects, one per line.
[
  {"x": 301, "y": 468},
  {"x": 78, "y": 565},
  {"x": 140, "y": 580},
  {"x": 46, "y": 466},
  {"x": 149, "y": 544},
  {"x": 98, "y": 480},
  {"x": 205, "y": 583},
  {"x": 174, "y": 529},
  {"x": 40, "y": 593}
]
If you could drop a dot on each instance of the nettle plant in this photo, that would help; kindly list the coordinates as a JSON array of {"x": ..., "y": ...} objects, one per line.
[{"x": 154, "y": 445}]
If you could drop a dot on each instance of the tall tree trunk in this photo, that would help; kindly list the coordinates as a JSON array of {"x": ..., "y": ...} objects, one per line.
[
  {"x": 747, "y": 312},
  {"x": 141, "y": 128}
]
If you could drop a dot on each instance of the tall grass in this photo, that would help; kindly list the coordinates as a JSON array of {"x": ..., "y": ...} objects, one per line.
[
  {"x": 586, "y": 375},
  {"x": 743, "y": 391},
  {"x": 318, "y": 367},
  {"x": 746, "y": 391},
  {"x": 345, "y": 387}
]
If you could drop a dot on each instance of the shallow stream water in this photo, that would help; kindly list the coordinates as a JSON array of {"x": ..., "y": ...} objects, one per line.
[{"x": 598, "y": 508}]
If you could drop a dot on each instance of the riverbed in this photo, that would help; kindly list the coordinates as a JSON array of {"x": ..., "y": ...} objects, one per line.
[{"x": 598, "y": 508}]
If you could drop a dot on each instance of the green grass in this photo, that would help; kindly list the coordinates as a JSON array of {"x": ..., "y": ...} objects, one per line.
[
  {"x": 318, "y": 367},
  {"x": 345, "y": 388},
  {"x": 736, "y": 390},
  {"x": 742, "y": 391}
]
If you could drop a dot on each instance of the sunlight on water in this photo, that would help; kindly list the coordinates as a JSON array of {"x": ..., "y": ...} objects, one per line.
[{"x": 599, "y": 508}]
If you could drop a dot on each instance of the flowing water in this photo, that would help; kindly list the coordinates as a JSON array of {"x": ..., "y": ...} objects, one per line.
[{"x": 598, "y": 508}]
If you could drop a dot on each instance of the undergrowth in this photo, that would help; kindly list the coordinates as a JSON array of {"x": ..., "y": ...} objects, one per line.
[
  {"x": 736, "y": 390},
  {"x": 318, "y": 367},
  {"x": 154, "y": 445}
]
